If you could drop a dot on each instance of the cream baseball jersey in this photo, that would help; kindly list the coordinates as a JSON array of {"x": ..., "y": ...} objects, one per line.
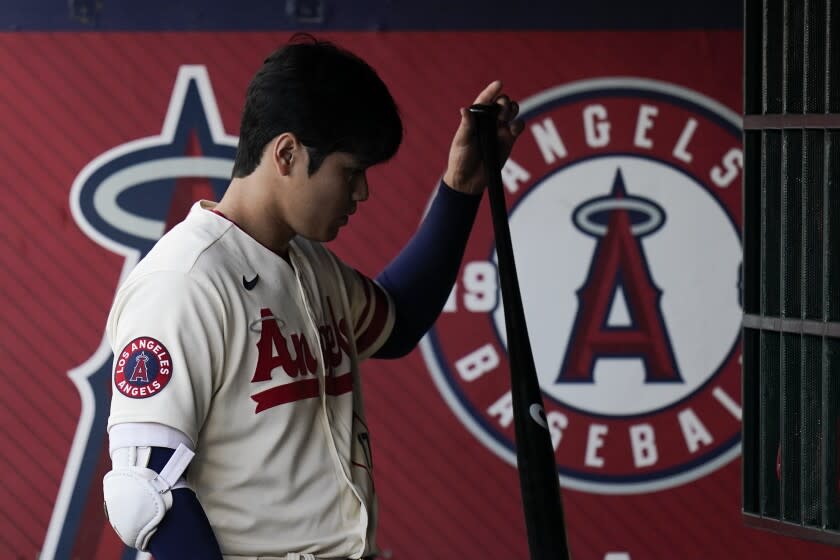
[{"x": 255, "y": 359}]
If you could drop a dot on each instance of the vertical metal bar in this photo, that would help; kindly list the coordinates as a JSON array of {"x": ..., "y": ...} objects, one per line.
[
  {"x": 806, "y": 41},
  {"x": 832, "y": 313},
  {"x": 804, "y": 355},
  {"x": 762, "y": 292},
  {"x": 751, "y": 237},
  {"x": 764, "y": 25},
  {"x": 811, "y": 417},
  {"x": 783, "y": 452},
  {"x": 828, "y": 56},
  {"x": 763, "y": 496},
  {"x": 751, "y": 197},
  {"x": 770, "y": 366},
  {"x": 832, "y": 91},
  {"x": 810, "y": 420},
  {"x": 773, "y": 56},
  {"x": 832, "y": 289},
  {"x": 794, "y": 29},
  {"x": 751, "y": 265},
  {"x": 807, "y": 205},
  {"x": 824, "y": 411},
  {"x": 751, "y": 391},
  {"x": 785, "y": 50},
  {"x": 782, "y": 233},
  {"x": 771, "y": 181},
  {"x": 815, "y": 56},
  {"x": 753, "y": 22}
]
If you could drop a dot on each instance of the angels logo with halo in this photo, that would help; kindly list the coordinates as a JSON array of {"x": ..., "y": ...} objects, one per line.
[{"x": 625, "y": 213}]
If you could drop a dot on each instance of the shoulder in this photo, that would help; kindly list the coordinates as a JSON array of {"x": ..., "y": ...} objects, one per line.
[
  {"x": 185, "y": 265},
  {"x": 189, "y": 246}
]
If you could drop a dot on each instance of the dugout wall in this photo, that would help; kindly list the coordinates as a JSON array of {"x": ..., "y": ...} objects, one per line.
[{"x": 633, "y": 111}]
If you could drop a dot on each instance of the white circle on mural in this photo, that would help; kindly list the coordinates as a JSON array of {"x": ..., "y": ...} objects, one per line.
[{"x": 553, "y": 258}]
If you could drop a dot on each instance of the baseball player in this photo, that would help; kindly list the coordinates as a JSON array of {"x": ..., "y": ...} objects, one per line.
[{"x": 237, "y": 429}]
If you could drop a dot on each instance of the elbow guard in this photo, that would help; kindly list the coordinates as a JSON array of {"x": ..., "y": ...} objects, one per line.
[{"x": 136, "y": 497}]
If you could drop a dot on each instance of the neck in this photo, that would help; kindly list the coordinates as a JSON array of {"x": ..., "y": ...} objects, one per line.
[{"x": 249, "y": 203}]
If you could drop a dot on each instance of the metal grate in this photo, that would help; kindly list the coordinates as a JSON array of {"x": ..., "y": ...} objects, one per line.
[{"x": 791, "y": 326}]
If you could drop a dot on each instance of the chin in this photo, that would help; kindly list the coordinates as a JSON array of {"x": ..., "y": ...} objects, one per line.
[{"x": 323, "y": 237}]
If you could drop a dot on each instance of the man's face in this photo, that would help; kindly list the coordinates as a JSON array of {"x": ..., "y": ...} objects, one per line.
[{"x": 321, "y": 203}]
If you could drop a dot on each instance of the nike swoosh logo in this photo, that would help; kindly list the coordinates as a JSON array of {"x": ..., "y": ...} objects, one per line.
[{"x": 249, "y": 284}]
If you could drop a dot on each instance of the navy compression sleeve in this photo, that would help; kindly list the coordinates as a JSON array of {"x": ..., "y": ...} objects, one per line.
[
  {"x": 420, "y": 278},
  {"x": 185, "y": 532}
]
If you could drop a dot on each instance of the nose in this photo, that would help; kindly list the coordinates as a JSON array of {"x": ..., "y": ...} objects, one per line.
[{"x": 360, "y": 189}]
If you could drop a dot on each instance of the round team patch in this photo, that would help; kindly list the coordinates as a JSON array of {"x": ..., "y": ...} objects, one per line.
[
  {"x": 143, "y": 368},
  {"x": 624, "y": 206}
]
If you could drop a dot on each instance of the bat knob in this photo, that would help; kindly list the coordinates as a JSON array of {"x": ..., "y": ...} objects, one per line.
[{"x": 490, "y": 110}]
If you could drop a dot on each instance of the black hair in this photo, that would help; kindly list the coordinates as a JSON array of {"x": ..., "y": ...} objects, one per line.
[{"x": 329, "y": 98}]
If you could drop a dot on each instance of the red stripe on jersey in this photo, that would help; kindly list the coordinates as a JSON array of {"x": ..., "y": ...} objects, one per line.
[
  {"x": 377, "y": 323},
  {"x": 368, "y": 301},
  {"x": 340, "y": 384},
  {"x": 300, "y": 390},
  {"x": 297, "y": 391}
]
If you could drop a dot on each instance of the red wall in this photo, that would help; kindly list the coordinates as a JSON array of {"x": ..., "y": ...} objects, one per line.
[{"x": 66, "y": 99}]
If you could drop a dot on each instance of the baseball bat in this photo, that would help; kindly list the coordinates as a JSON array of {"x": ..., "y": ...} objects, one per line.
[{"x": 538, "y": 477}]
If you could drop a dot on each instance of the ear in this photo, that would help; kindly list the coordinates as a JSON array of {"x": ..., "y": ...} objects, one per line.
[{"x": 285, "y": 151}]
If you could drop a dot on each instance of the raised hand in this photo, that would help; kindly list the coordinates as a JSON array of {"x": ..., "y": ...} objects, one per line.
[{"x": 464, "y": 171}]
